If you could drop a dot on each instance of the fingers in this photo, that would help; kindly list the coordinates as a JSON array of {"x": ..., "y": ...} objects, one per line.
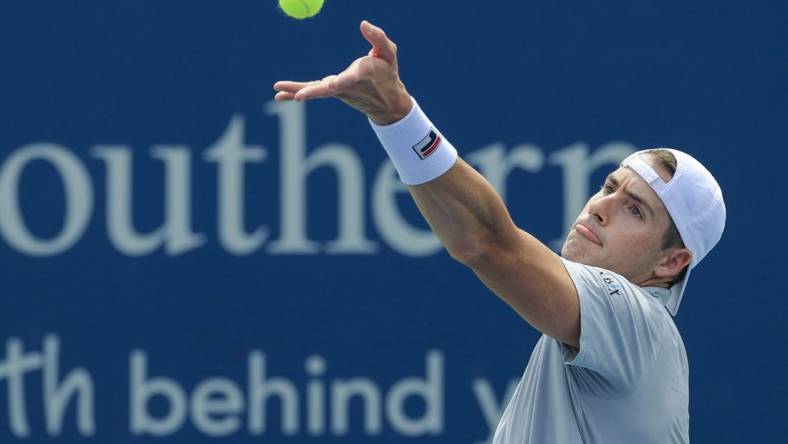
[
  {"x": 289, "y": 86},
  {"x": 289, "y": 90},
  {"x": 316, "y": 90},
  {"x": 286, "y": 89},
  {"x": 283, "y": 96},
  {"x": 382, "y": 47}
]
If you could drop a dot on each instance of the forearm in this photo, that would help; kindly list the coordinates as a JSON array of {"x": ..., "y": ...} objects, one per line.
[
  {"x": 465, "y": 212},
  {"x": 462, "y": 208}
]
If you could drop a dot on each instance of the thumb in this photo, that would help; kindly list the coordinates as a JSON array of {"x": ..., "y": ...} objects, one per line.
[{"x": 382, "y": 47}]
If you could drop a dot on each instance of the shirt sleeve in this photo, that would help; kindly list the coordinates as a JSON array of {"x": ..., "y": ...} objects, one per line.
[{"x": 619, "y": 330}]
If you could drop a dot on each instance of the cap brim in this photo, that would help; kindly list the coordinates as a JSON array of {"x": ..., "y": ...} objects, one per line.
[{"x": 676, "y": 293}]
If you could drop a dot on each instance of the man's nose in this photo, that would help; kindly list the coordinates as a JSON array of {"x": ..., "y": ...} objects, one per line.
[{"x": 599, "y": 210}]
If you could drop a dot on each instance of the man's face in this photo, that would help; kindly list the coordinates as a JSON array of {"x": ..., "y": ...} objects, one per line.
[{"x": 620, "y": 228}]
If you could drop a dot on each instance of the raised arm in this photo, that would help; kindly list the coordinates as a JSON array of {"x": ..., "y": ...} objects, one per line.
[{"x": 461, "y": 207}]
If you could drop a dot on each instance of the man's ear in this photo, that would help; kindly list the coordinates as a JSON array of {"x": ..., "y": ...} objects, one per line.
[{"x": 673, "y": 261}]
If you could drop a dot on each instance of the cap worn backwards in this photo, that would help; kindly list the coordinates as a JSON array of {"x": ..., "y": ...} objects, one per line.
[{"x": 694, "y": 201}]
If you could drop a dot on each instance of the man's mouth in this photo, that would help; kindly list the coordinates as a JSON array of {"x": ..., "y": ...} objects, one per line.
[{"x": 588, "y": 234}]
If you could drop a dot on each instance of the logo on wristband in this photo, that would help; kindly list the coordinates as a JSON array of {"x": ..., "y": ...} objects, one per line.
[{"x": 427, "y": 145}]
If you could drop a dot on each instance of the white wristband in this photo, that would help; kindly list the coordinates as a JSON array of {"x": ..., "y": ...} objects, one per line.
[{"x": 419, "y": 152}]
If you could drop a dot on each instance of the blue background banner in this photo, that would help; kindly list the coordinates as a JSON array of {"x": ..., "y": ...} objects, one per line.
[{"x": 183, "y": 258}]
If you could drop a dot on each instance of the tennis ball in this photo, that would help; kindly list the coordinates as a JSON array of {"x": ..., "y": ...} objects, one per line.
[{"x": 300, "y": 9}]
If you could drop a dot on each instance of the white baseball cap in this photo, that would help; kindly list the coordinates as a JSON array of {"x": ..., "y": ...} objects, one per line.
[{"x": 694, "y": 201}]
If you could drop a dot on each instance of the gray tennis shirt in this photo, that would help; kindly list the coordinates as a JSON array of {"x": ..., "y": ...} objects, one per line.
[{"x": 627, "y": 384}]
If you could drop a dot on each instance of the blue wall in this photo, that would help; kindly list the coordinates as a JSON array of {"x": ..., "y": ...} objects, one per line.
[{"x": 274, "y": 275}]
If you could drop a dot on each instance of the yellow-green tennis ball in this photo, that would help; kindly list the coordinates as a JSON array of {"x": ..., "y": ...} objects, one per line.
[{"x": 300, "y": 9}]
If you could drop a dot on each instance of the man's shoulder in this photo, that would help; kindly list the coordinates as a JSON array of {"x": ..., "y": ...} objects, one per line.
[
  {"x": 613, "y": 282},
  {"x": 600, "y": 282}
]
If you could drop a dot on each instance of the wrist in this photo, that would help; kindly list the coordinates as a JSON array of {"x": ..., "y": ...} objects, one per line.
[
  {"x": 395, "y": 110},
  {"x": 417, "y": 149}
]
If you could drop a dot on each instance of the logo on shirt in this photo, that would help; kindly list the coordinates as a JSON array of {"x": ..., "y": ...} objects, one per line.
[
  {"x": 613, "y": 287},
  {"x": 427, "y": 145}
]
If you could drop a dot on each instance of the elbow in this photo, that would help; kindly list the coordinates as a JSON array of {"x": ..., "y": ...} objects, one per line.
[
  {"x": 481, "y": 247},
  {"x": 472, "y": 254},
  {"x": 464, "y": 257},
  {"x": 486, "y": 252}
]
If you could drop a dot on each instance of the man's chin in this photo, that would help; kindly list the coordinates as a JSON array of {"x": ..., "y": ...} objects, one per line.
[
  {"x": 571, "y": 250},
  {"x": 574, "y": 251}
]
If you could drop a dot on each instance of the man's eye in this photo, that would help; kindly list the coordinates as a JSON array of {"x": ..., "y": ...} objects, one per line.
[
  {"x": 607, "y": 189},
  {"x": 636, "y": 211}
]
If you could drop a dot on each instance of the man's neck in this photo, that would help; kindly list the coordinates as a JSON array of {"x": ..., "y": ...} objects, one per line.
[{"x": 654, "y": 281}]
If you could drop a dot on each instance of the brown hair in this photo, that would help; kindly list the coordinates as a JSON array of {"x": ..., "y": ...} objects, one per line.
[{"x": 671, "y": 237}]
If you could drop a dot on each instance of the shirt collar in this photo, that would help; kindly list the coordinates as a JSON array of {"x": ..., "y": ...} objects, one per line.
[{"x": 663, "y": 294}]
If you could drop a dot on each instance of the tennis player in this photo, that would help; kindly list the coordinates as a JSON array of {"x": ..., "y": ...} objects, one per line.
[{"x": 610, "y": 367}]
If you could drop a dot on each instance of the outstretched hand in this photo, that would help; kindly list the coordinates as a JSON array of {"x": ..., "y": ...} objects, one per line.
[{"x": 371, "y": 84}]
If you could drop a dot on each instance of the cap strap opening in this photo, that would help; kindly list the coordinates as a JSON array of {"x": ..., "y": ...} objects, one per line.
[{"x": 647, "y": 173}]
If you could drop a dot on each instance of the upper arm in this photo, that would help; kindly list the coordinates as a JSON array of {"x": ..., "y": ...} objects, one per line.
[{"x": 532, "y": 279}]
